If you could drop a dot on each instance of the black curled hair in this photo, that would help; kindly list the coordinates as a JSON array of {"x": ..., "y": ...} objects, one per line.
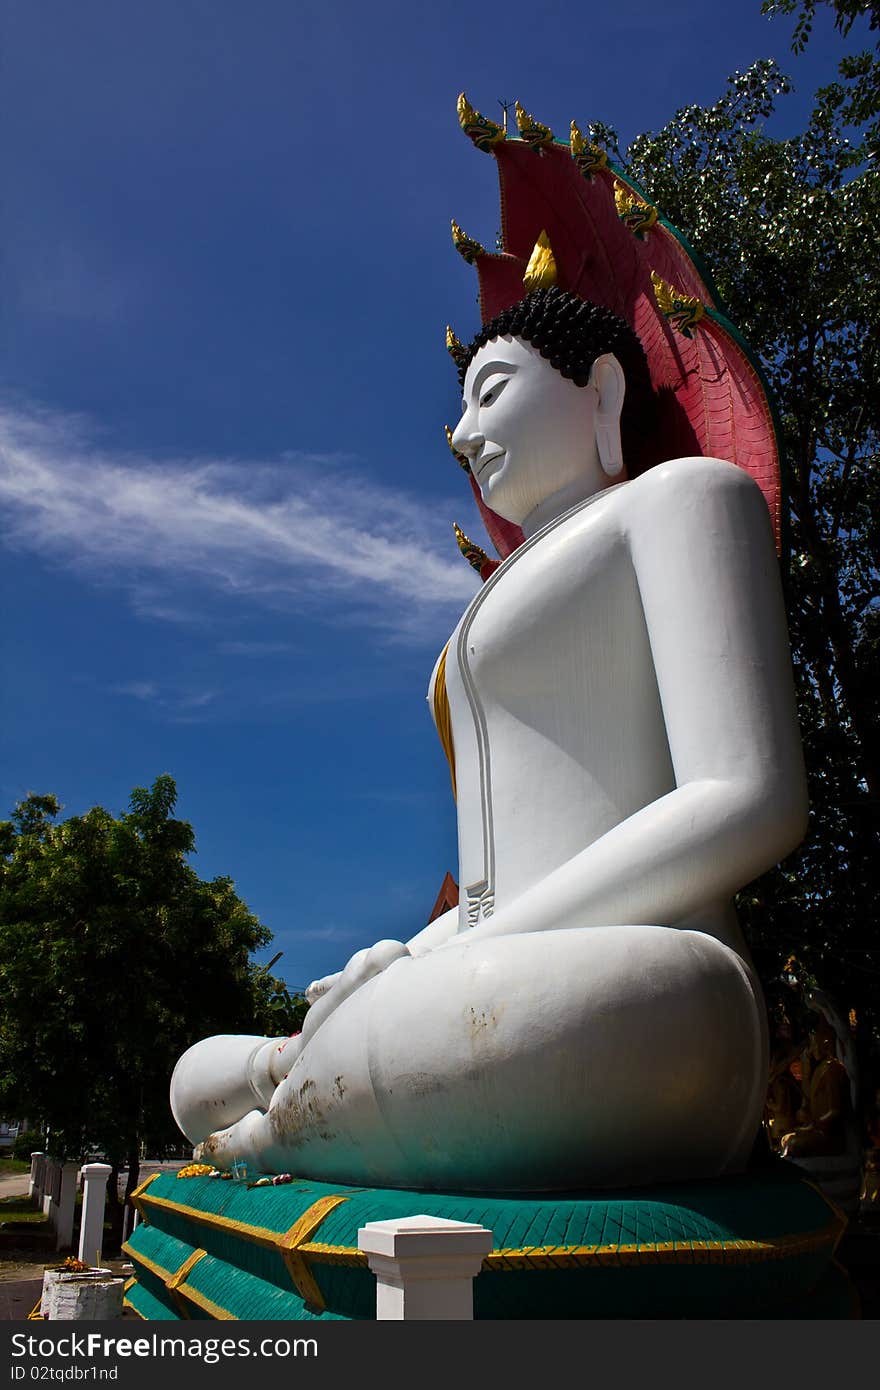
[{"x": 571, "y": 333}]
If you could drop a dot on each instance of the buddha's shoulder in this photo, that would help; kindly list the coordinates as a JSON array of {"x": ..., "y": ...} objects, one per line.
[
  {"x": 682, "y": 493},
  {"x": 694, "y": 475},
  {"x": 683, "y": 489}
]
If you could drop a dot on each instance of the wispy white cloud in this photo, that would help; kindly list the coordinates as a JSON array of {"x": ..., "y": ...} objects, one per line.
[
  {"x": 254, "y": 648},
  {"x": 173, "y": 700},
  {"x": 138, "y": 690},
  {"x": 304, "y": 529},
  {"x": 329, "y": 933},
  {"x": 197, "y": 699}
]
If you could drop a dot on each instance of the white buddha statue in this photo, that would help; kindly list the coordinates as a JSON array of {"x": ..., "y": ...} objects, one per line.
[{"x": 618, "y": 703}]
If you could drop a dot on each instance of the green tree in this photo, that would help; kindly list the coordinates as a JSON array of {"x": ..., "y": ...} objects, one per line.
[
  {"x": 789, "y": 229},
  {"x": 114, "y": 958}
]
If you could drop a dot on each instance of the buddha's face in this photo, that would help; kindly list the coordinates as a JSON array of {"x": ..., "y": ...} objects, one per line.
[{"x": 528, "y": 432}]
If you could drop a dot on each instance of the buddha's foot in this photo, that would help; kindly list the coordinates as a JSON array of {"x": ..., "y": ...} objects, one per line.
[{"x": 220, "y": 1079}]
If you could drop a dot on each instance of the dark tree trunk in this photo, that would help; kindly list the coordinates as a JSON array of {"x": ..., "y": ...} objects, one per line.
[
  {"x": 114, "y": 1211},
  {"x": 134, "y": 1172}
]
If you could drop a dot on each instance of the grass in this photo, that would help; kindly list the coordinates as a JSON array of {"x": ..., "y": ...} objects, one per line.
[
  {"x": 12, "y": 1167},
  {"x": 16, "y": 1212},
  {"x": 18, "y": 1209}
]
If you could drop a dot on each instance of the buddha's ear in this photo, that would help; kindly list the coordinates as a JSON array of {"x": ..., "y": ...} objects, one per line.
[{"x": 607, "y": 376}]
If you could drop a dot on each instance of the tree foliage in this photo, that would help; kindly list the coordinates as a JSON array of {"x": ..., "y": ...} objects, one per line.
[
  {"x": 858, "y": 97},
  {"x": 114, "y": 958},
  {"x": 845, "y": 14},
  {"x": 789, "y": 230}
]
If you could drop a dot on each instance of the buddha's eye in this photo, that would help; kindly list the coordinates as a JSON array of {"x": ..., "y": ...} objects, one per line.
[{"x": 490, "y": 397}]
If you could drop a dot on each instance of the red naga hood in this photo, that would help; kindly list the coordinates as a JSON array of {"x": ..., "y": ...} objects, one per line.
[{"x": 612, "y": 246}]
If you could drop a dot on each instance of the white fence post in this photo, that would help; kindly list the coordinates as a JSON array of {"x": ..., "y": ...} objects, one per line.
[
  {"x": 424, "y": 1266},
  {"x": 91, "y": 1232},
  {"x": 35, "y": 1191},
  {"x": 50, "y": 1191},
  {"x": 66, "y": 1206}
]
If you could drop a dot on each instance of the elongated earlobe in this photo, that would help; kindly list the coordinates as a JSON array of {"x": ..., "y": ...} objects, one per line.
[{"x": 607, "y": 377}]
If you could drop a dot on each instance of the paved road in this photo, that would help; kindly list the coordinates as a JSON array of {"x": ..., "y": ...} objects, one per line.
[
  {"x": 15, "y": 1185},
  {"x": 18, "y": 1297}
]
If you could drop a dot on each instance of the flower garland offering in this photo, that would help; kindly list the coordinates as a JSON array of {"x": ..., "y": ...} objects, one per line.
[
  {"x": 204, "y": 1170},
  {"x": 278, "y": 1180}
]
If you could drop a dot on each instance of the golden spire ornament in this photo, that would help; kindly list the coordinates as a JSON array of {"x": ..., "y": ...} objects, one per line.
[{"x": 541, "y": 269}]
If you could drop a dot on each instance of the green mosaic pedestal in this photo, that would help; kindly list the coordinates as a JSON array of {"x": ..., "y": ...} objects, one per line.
[{"x": 759, "y": 1245}]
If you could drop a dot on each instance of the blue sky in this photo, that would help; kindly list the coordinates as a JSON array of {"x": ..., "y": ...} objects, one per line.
[{"x": 225, "y": 495}]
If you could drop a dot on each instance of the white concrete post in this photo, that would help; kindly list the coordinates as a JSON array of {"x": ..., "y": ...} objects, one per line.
[
  {"x": 91, "y": 1231},
  {"x": 35, "y": 1192},
  {"x": 66, "y": 1206},
  {"x": 424, "y": 1266},
  {"x": 94, "y": 1295}
]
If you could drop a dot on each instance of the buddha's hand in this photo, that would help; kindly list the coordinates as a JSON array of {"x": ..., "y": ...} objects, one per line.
[
  {"x": 362, "y": 966},
  {"x": 327, "y": 994},
  {"x": 320, "y": 987}
]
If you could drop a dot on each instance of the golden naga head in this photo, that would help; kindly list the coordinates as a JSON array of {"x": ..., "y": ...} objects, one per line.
[
  {"x": 459, "y": 458},
  {"x": 533, "y": 132},
  {"x": 456, "y": 348},
  {"x": 638, "y": 214},
  {"x": 484, "y": 133},
  {"x": 473, "y": 553},
  {"x": 465, "y": 245},
  {"x": 682, "y": 311},
  {"x": 588, "y": 157}
]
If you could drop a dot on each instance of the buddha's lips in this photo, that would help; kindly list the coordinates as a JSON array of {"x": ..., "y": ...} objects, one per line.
[{"x": 486, "y": 461}]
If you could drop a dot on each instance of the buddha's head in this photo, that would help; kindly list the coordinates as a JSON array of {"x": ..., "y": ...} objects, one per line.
[{"x": 545, "y": 387}]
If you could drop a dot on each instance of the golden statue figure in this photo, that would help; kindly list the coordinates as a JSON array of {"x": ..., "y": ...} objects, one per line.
[{"x": 825, "y": 1107}]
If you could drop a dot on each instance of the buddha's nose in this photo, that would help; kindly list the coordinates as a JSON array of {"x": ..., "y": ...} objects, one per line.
[{"x": 467, "y": 441}]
